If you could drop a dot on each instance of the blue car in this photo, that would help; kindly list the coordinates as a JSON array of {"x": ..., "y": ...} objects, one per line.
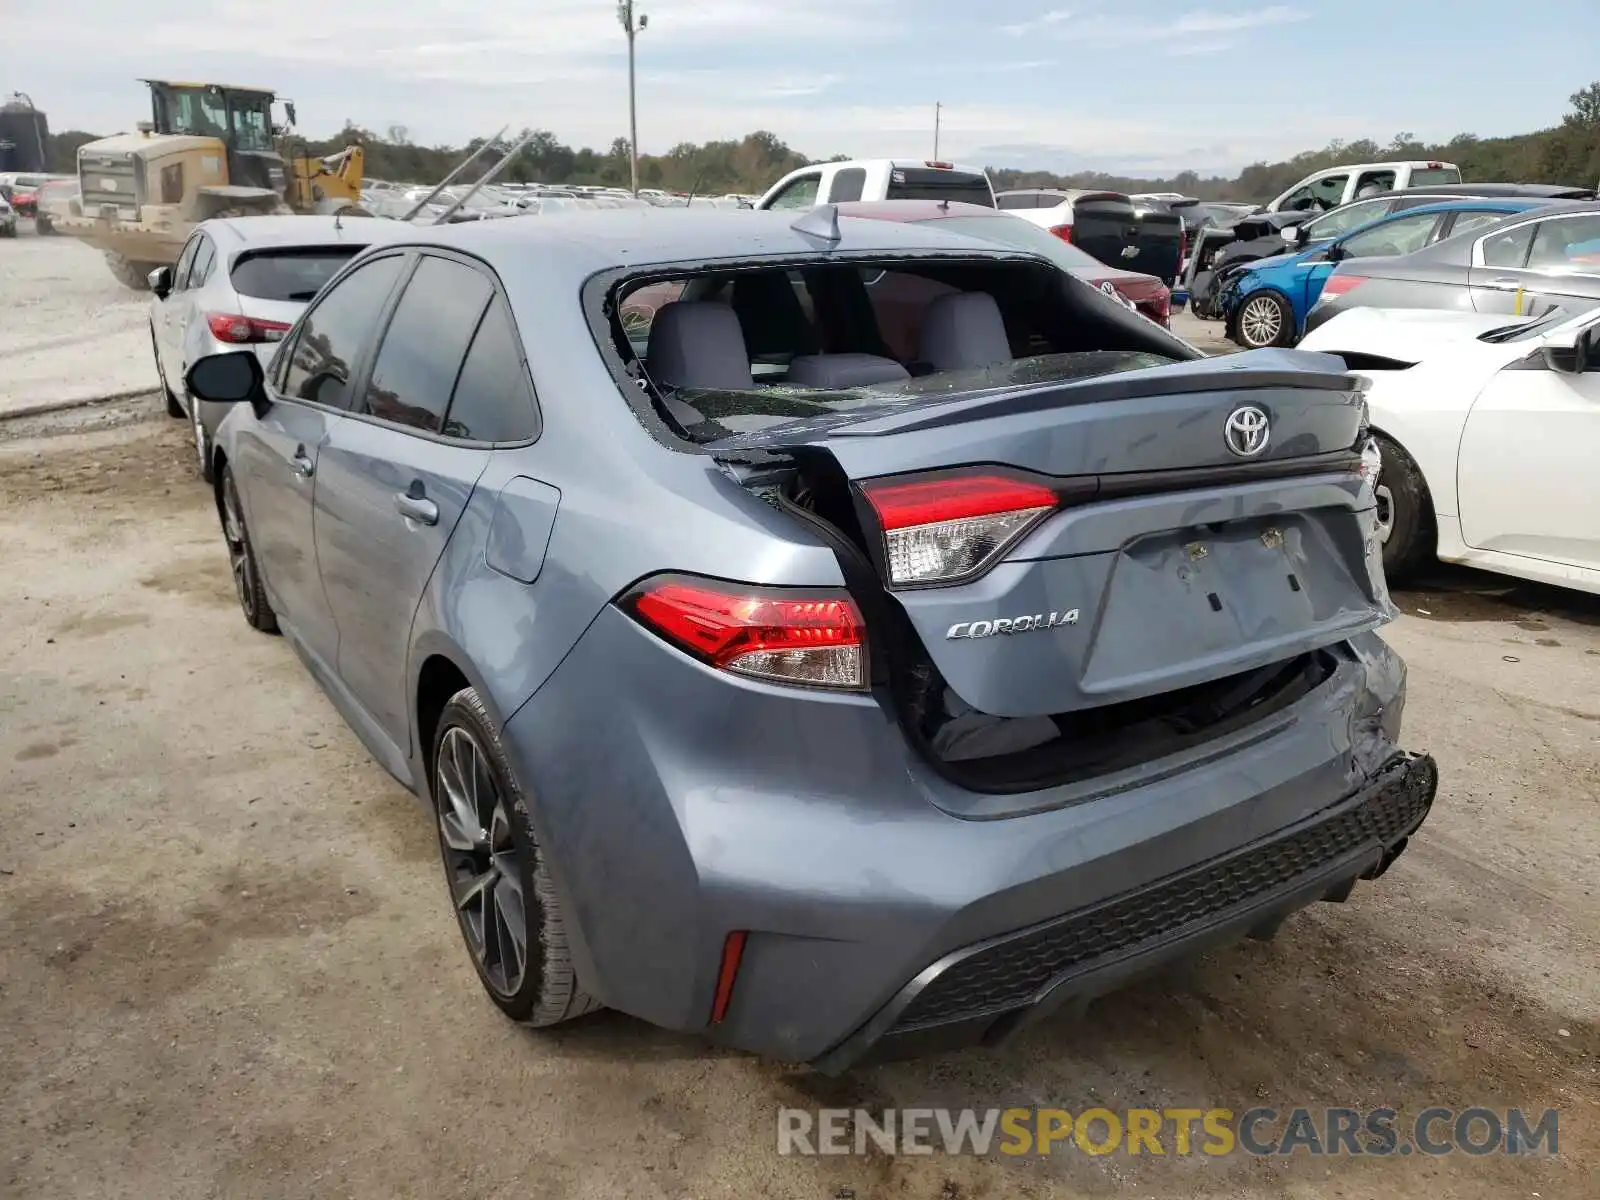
[
  {"x": 831, "y": 637},
  {"x": 1266, "y": 302}
]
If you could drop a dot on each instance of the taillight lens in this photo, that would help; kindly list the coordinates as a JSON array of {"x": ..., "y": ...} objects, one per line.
[
  {"x": 816, "y": 639},
  {"x": 241, "y": 331},
  {"x": 942, "y": 530},
  {"x": 1064, "y": 232},
  {"x": 1338, "y": 285}
]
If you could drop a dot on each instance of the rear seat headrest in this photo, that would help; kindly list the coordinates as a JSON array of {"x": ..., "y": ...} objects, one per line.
[
  {"x": 698, "y": 344},
  {"x": 964, "y": 330},
  {"x": 844, "y": 370}
]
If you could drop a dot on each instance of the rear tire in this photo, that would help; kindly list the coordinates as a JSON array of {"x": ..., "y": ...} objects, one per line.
[
  {"x": 1264, "y": 319},
  {"x": 42, "y": 227},
  {"x": 129, "y": 273},
  {"x": 497, "y": 875},
  {"x": 1406, "y": 523},
  {"x": 247, "y": 583}
]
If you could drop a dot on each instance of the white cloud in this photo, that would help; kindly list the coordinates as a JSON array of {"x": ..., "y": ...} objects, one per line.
[{"x": 1055, "y": 16}]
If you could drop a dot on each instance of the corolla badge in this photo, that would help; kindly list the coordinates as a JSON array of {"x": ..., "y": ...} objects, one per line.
[
  {"x": 1247, "y": 431},
  {"x": 983, "y": 629}
]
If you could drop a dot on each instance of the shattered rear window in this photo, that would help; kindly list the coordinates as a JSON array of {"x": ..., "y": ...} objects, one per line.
[{"x": 749, "y": 349}]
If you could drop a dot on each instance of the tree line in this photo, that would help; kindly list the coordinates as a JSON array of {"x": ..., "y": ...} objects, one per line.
[{"x": 1568, "y": 153}]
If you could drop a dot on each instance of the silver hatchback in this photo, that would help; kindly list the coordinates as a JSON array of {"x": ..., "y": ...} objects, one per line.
[{"x": 242, "y": 281}]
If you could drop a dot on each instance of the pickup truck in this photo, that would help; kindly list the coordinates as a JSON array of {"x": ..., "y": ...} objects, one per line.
[
  {"x": 879, "y": 179},
  {"x": 1326, "y": 189},
  {"x": 1108, "y": 225}
]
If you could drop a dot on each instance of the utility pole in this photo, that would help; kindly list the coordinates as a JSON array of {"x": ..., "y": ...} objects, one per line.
[
  {"x": 938, "y": 110},
  {"x": 632, "y": 29}
]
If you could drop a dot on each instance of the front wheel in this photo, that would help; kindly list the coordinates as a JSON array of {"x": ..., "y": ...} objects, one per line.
[
  {"x": 499, "y": 881},
  {"x": 242, "y": 560},
  {"x": 129, "y": 273},
  {"x": 1264, "y": 319},
  {"x": 1406, "y": 524}
]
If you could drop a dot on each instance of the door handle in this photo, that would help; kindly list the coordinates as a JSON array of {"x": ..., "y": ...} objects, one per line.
[
  {"x": 301, "y": 465},
  {"x": 1505, "y": 281},
  {"x": 416, "y": 508}
]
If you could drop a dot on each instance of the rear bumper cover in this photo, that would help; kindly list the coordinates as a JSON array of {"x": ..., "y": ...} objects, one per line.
[
  {"x": 988, "y": 991},
  {"x": 677, "y": 804}
]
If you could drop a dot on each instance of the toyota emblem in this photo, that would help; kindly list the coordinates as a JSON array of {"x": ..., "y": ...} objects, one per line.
[{"x": 1247, "y": 431}]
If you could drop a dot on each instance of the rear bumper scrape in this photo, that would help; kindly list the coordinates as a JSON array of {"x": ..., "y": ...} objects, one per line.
[{"x": 989, "y": 991}]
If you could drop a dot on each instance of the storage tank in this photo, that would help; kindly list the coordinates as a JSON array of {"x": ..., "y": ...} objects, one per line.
[{"x": 24, "y": 137}]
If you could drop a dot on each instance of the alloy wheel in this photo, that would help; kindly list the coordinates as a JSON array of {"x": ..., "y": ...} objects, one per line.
[
  {"x": 1260, "y": 323},
  {"x": 238, "y": 553},
  {"x": 1385, "y": 514},
  {"x": 481, "y": 861}
]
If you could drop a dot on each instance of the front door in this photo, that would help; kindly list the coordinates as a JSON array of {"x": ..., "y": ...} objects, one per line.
[
  {"x": 391, "y": 484},
  {"x": 1527, "y": 473},
  {"x": 279, "y": 455}
]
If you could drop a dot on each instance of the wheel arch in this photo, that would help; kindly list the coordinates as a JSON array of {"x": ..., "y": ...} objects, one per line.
[{"x": 441, "y": 670}]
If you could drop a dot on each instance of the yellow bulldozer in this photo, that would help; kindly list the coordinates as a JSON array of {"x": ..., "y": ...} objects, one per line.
[{"x": 209, "y": 150}]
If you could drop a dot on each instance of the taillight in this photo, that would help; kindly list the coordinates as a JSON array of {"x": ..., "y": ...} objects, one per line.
[
  {"x": 942, "y": 530},
  {"x": 1183, "y": 245},
  {"x": 1338, "y": 285},
  {"x": 241, "y": 331},
  {"x": 813, "y": 638},
  {"x": 1064, "y": 232}
]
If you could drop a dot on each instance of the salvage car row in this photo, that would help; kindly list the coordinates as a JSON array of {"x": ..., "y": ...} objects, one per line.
[{"x": 944, "y": 556}]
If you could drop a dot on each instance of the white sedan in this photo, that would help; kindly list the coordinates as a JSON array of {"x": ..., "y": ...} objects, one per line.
[{"x": 1489, "y": 428}]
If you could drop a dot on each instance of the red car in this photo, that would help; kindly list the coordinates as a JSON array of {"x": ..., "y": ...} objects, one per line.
[
  {"x": 23, "y": 192},
  {"x": 1146, "y": 293}
]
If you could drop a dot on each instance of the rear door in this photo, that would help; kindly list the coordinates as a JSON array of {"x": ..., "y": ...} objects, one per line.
[
  {"x": 1532, "y": 267},
  {"x": 169, "y": 325},
  {"x": 392, "y": 482}
]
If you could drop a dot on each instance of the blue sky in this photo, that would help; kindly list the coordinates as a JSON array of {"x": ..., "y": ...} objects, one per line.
[{"x": 1063, "y": 84}]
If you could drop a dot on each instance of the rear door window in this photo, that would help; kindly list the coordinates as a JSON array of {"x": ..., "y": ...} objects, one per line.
[
  {"x": 1508, "y": 249},
  {"x": 1402, "y": 235},
  {"x": 423, "y": 348},
  {"x": 204, "y": 257},
  {"x": 336, "y": 331},
  {"x": 1465, "y": 222},
  {"x": 1567, "y": 246},
  {"x": 847, "y": 185},
  {"x": 493, "y": 401},
  {"x": 289, "y": 275}
]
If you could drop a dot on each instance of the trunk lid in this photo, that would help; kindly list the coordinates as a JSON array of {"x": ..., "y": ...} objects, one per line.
[{"x": 1170, "y": 561}]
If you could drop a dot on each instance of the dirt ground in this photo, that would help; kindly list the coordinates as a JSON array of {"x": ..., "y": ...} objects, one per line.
[
  {"x": 227, "y": 966},
  {"x": 70, "y": 331}
]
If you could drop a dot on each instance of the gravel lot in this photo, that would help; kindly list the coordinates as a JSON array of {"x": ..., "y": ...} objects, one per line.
[
  {"x": 228, "y": 968},
  {"x": 71, "y": 331}
]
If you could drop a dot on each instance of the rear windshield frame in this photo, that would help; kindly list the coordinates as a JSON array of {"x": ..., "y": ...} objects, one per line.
[
  {"x": 341, "y": 253},
  {"x": 601, "y": 296}
]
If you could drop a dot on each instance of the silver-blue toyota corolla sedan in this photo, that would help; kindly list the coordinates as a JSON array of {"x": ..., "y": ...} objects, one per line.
[{"x": 839, "y": 637}]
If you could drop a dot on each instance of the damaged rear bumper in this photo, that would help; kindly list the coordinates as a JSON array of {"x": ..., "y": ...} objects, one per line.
[{"x": 987, "y": 991}]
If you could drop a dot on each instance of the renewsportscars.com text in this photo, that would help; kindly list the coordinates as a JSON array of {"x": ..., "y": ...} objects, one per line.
[{"x": 1170, "y": 1131}]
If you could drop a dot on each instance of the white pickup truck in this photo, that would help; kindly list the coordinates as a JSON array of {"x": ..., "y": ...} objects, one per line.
[
  {"x": 879, "y": 179},
  {"x": 1339, "y": 185}
]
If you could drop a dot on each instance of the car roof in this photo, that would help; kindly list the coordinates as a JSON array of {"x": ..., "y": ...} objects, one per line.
[
  {"x": 238, "y": 234},
  {"x": 1505, "y": 204},
  {"x": 580, "y": 244}
]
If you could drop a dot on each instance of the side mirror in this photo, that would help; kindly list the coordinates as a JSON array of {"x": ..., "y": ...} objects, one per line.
[
  {"x": 1292, "y": 234},
  {"x": 1336, "y": 253},
  {"x": 288, "y": 111},
  {"x": 228, "y": 378},
  {"x": 1567, "y": 352},
  {"x": 161, "y": 282}
]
